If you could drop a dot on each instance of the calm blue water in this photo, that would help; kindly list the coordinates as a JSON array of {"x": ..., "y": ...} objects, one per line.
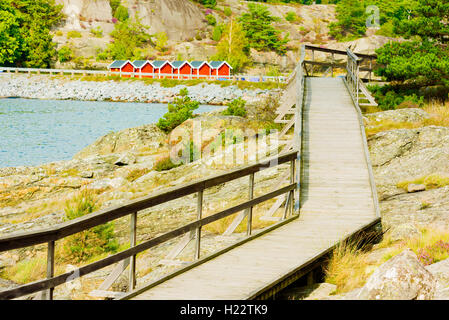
[{"x": 34, "y": 132}]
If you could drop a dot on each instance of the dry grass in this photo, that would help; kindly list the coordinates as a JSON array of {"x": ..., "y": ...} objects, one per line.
[
  {"x": 31, "y": 269},
  {"x": 439, "y": 116},
  {"x": 136, "y": 174},
  {"x": 350, "y": 266},
  {"x": 431, "y": 181}
]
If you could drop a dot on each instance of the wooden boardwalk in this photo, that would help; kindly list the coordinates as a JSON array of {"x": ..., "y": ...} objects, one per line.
[{"x": 337, "y": 201}]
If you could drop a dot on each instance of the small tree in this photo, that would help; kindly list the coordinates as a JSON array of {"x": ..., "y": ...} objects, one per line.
[
  {"x": 351, "y": 20},
  {"x": 97, "y": 240},
  {"x": 161, "y": 41},
  {"x": 233, "y": 47},
  {"x": 127, "y": 36},
  {"x": 178, "y": 111}
]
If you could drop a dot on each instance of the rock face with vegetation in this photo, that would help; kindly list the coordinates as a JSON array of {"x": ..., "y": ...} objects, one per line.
[{"x": 411, "y": 167}]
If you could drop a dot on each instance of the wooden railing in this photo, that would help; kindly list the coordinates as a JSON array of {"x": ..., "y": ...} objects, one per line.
[
  {"x": 51, "y": 235},
  {"x": 359, "y": 93},
  {"x": 367, "y": 59},
  {"x": 104, "y": 73}
]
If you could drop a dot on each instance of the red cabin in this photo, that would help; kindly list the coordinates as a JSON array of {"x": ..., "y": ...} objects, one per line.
[
  {"x": 221, "y": 69},
  {"x": 163, "y": 67},
  {"x": 144, "y": 68},
  {"x": 120, "y": 66},
  {"x": 182, "y": 69},
  {"x": 201, "y": 68}
]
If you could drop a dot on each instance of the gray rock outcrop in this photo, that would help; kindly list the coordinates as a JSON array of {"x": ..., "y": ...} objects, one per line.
[
  {"x": 147, "y": 136},
  {"x": 402, "y": 277}
]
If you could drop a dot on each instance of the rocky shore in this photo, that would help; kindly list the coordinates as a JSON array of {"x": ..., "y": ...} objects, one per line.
[
  {"x": 410, "y": 167},
  {"x": 53, "y": 88}
]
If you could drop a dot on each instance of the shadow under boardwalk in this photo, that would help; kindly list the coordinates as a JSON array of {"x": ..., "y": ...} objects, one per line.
[{"x": 337, "y": 202}]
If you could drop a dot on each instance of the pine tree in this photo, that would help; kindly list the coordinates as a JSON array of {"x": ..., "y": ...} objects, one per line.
[
  {"x": 430, "y": 21},
  {"x": 257, "y": 24}
]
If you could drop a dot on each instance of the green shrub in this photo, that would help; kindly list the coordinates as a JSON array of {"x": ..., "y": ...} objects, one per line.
[
  {"x": 97, "y": 32},
  {"x": 236, "y": 108},
  {"x": 217, "y": 32},
  {"x": 114, "y": 5},
  {"x": 89, "y": 243},
  {"x": 227, "y": 11},
  {"x": 73, "y": 34},
  {"x": 273, "y": 71},
  {"x": 396, "y": 97},
  {"x": 211, "y": 20},
  {"x": 121, "y": 13},
  {"x": 165, "y": 164},
  {"x": 178, "y": 111},
  {"x": 291, "y": 16},
  {"x": 65, "y": 54}
]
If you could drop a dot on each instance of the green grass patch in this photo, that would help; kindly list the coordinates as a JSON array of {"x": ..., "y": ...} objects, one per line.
[{"x": 432, "y": 181}]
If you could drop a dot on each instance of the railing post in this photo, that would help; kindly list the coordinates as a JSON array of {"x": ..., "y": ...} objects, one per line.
[
  {"x": 250, "y": 209},
  {"x": 199, "y": 210},
  {"x": 48, "y": 294},
  {"x": 289, "y": 203},
  {"x": 357, "y": 82},
  {"x": 292, "y": 180},
  {"x": 132, "y": 261},
  {"x": 332, "y": 66}
]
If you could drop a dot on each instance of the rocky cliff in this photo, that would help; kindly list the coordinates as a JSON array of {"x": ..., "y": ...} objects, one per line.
[{"x": 190, "y": 36}]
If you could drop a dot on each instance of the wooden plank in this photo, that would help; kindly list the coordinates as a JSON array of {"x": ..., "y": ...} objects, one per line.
[
  {"x": 114, "y": 275},
  {"x": 106, "y": 294}
]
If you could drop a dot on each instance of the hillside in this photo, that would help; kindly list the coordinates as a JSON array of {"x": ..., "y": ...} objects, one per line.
[{"x": 189, "y": 35}]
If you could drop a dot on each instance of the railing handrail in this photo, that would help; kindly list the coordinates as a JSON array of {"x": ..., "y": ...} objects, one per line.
[
  {"x": 353, "y": 84},
  {"x": 50, "y": 235},
  {"x": 24, "y": 239},
  {"x": 336, "y": 51},
  {"x": 72, "y": 275},
  {"x": 297, "y": 144}
]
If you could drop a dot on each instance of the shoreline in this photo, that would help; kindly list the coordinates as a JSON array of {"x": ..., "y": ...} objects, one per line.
[{"x": 43, "y": 87}]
